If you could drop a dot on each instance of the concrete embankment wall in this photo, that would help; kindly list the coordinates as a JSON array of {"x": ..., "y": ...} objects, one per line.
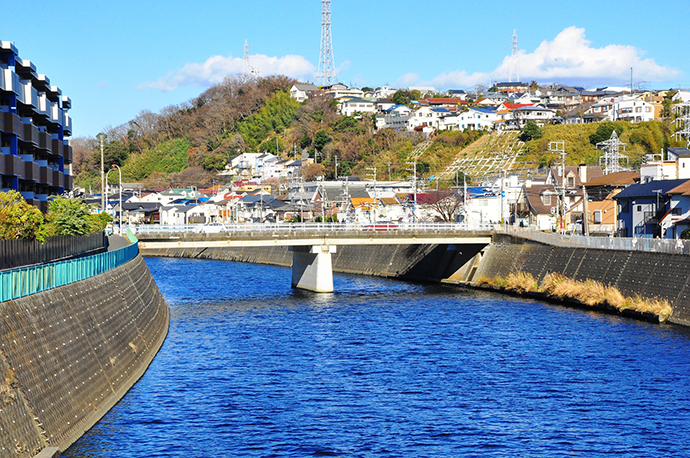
[
  {"x": 648, "y": 274},
  {"x": 70, "y": 353},
  {"x": 408, "y": 262}
]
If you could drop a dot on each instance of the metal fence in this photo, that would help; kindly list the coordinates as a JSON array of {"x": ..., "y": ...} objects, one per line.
[
  {"x": 31, "y": 280},
  {"x": 21, "y": 252},
  {"x": 306, "y": 227},
  {"x": 676, "y": 246}
]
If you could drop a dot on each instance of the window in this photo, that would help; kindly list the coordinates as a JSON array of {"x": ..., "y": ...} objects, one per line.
[
  {"x": 677, "y": 211},
  {"x": 547, "y": 199},
  {"x": 639, "y": 208},
  {"x": 597, "y": 216},
  {"x": 647, "y": 109},
  {"x": 571, "y": 181},
  {"x": 638, "y": 110}
]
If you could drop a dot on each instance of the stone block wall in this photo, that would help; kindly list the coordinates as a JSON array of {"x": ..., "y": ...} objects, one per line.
[
  {"x": 70, "y": 353},
  {"x": 648, "y": 274}
]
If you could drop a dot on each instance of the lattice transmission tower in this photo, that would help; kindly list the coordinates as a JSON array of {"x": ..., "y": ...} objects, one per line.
[
  {"x": 610, "y": 161},
  {"x": 326, "y": 73},
  {"x": 514, "y": 76},
  {"x": 248, "y": 70},
  {"x": 684, "y": 121}
]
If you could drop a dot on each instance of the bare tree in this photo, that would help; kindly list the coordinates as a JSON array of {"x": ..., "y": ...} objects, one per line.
[{"x": 445, "y": 203}]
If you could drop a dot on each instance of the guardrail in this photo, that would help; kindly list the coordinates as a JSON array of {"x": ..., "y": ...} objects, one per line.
[
  {"x": 307, "y": 227},
  {"x": 675, "y": 246},
  {"x": 22, "y": 252},
  {"x": 31, "y": 280}
]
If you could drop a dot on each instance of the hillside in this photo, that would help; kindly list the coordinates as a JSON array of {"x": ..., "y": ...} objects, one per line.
[{"x": 188, "y": 144}]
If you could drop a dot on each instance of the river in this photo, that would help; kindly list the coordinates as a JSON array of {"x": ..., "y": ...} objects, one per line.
[{"x": 253, "y": 368}]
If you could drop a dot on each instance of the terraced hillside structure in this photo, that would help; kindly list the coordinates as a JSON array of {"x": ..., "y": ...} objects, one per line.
[{"x": 488, "y": 156}]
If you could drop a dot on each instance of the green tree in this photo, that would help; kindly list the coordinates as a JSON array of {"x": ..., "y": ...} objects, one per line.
[
  {"x": 18, "y": 220},
  {"x": 604, "y": 132},
  {"x": 321, "y": 139},
  {"x": 531, "y": 131},
  {"x": 68, "y": 217}
]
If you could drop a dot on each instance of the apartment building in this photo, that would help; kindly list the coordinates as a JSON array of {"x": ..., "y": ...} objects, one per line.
[{"x": 34, "y": 124}]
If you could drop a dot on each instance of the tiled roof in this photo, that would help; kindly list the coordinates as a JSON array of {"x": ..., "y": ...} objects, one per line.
[{"x": 615, "y": 179}]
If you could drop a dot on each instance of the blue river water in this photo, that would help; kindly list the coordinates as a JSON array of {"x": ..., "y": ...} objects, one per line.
[{"x": 253, "y": 368}]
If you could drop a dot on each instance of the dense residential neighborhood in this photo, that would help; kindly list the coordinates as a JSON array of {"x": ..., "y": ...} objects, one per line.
[{"x": 607, "y": 199}]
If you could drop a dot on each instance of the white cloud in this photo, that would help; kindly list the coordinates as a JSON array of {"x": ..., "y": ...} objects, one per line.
[
  {"x": 569, "y": 58},
  {"x": 216, "y": 68}
]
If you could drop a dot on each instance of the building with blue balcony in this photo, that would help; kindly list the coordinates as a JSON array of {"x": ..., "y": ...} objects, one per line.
[{"x": 34, "y": 124}]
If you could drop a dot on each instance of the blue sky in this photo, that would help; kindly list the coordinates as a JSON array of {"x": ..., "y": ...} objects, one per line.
[{"x": 117, "y": 58}]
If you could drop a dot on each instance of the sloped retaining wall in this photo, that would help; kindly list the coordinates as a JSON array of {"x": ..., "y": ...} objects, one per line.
[
  {"x": 648, "y": 274},
  {"x": 67, "y": 355}
]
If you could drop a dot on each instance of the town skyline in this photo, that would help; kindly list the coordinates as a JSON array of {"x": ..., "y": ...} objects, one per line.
[{"x": 114, "y": 61}]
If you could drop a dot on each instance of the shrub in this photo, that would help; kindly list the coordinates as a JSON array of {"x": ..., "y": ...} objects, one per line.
[{"x": 19, "y": 220}]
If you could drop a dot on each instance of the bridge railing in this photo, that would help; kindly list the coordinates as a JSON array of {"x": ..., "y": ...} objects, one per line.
[
  {"x": 676, "y": 246},
  {"x": 307, "y": 227},
  {"x": 31, "y": 280}
]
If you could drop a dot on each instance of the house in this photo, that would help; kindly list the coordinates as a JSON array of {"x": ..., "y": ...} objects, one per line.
[
  {"x": 457, "y": 94},
  {"x": 677, "y": 217},
  {"x": 681, "y": 96},
  {"x": 394, "y": 118},
  {"x": 676, "y": 166},
  {"x": 302, "y": 92},
  {"x": 601, "y": 211},
  {"x": 383, "y": 105},
  {"x": 473, "y": 119},
  {"x": 427, "y": 117},
  {"x": 338, "y": 91},
  {"x": 642, "y": 206},
  {"x": 542, "y": 205},
  {"x": 511, "y": 87},
  {"x": 174, "y": 215},
  {"x": 352, "y": 106}
]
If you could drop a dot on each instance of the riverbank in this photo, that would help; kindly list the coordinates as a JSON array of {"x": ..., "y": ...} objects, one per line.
[
  {"x": 70, "y": 353},
  {"x": 649, "y": 275}
]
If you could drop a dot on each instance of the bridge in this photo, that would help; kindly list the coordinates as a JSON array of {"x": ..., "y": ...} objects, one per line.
[{"x": 312, "y": 244}]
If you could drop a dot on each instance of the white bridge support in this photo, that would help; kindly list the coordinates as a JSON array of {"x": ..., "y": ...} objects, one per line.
[{"x": 312, "y": 268}]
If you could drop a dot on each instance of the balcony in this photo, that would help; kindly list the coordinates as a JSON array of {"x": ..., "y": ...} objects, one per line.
[
  {"x": 13, "y": 165},
  {"x": 30, "y": 133},
  {"x": 13, "y": 125},
  {"x": 43, "y": 175},
  {"x": 67, "y": 153}
]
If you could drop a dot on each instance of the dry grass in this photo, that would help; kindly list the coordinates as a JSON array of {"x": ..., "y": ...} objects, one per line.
[
  {"x": 589, "y": 292},
  {"x": 660, "y": 307},
  {"x": 521, "y": 282}
]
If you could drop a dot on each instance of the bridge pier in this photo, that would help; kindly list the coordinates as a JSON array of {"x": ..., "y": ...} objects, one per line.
[{"x": 312, "y": 268}]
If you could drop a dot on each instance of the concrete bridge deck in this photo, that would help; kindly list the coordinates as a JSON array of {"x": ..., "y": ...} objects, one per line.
[{"x": 313, "y": 244}]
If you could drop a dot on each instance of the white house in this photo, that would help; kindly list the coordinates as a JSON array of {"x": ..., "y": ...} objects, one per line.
[
  {"x": 474, "y": 119},
  {"x": 681, "y": 96},
  {"x": 427, "y": 117},
  {"x": 633, "y": 110},
  {"x": 348, "y": 107},
  {"x": 301, "y": 92},
  {"x": 675, "y": 167},
  {"x": 394, "y": 118}
]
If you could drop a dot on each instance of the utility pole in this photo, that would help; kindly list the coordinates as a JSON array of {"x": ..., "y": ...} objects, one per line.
[
  {"x": 559, "y": 148},
  {"x": 101, "y": 136},
  {"x": 414, "y": 188},
  {"x": 389, "y": 170},
  {"x": 336, "y": 168}
]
